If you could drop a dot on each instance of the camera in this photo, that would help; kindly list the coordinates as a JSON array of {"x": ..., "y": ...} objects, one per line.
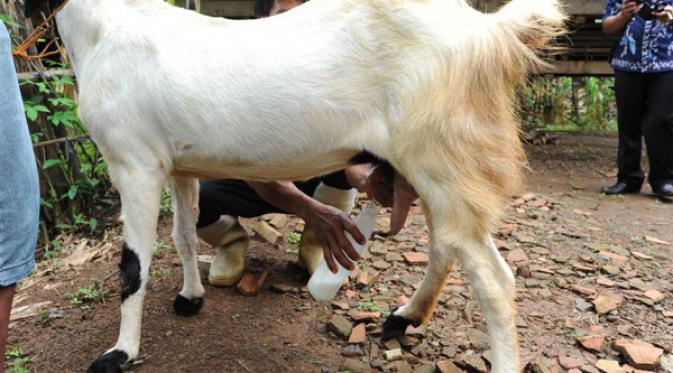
[{"x": 646, "y": 12}]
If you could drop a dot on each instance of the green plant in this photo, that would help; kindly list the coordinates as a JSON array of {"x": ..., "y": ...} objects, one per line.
[
  {"x": 84, "y": 298},
  {"x": 294, "y": 238},
  {"x": 369, "y": 306},
  {"x": 72, "y": 168},
  {"x": 158, "y": 272},
  {"x": 17, "y": 361},
  {"x": 166, "y": 201}
]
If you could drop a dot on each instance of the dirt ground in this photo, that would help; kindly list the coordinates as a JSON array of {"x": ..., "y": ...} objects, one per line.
[{"x": 571, "y": 247}]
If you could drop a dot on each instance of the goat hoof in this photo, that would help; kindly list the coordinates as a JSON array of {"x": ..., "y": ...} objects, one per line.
[
  {"x": 396, "y": 326},
  {"x": 185, "y": 307},
  {"x": 110, "y": 362}
]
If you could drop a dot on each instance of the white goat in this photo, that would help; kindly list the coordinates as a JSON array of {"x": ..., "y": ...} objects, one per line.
[{"x": 170, "y": 95}]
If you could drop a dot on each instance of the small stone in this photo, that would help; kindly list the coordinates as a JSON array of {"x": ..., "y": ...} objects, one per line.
[
  {"x": 381, "y": 265},
  {"x": 667, "y": 363},
  {"x": 639, "y": 354},
  {"x": 358, "y": 334},
  {"x": 364, "y": 316},
  {"x": 607, "y": 302},
  {"x": 610, "y": 269},
  {"x": 283, "y": 288},
  {"x": 520, "y": 322},
  {"x": 594, "y": 343},
  {"x": 471, "y": 361},
  {"x": 478, "y": 339},
  {"x": 568, "y": 363},
  {"x": 340, "y": 326},
  {"x": 267, "y": 232},
  {"x": 446, "y": 366},
  {"x": 415, "y": 258},
  {"x": 450, "y": 351},
  {"x": 352, "y": 350},
  {"x": 657, "y": 241},
  {"x": 426, "y": 369},
  {"x": 655, "y": 295},
  {"x": 56, "y": 313},
  {"x": 355, "y": 366},
  {"x": 517, "y": 255},
  {"x": 401, "y": 366},
  {"x": 523, "y": 271},
  {"x": 408, "y": 342},
  {"x": 251, "y": 283},
  {"x": 393, "y": 355},
  {"x": 366, "y": 278},
  {"x": 608, "y": 366},
  {"x": 638, "y": 284},
  {"x": 339, "y": 305},
  {"x": 415, "y": 331},
  {"x": 605, "y": 281},
  {"x": 392, "y": 344},
  {"x": 278, "y": 220},
  {"x": 393, "y": 257},
  {"x": 641, "y": 256}
]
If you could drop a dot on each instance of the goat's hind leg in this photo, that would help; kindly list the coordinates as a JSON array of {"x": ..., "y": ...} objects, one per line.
[
  {"x": 186, "y": 211},
  {"x": 140, "y": 192},
  {"x": 422, "y": 303},
  {"x": 495, "y": 287}
]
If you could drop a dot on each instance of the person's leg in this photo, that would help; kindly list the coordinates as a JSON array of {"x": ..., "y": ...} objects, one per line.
[
  {"x": 19, "y": 188},
  {"x": 221, "y": 202},
  {"x": 6, "y": 296},
  {"x": 631, "y": 101},
  {"x": 658, "y": 132},
  {"x": 334, "y": 190}
]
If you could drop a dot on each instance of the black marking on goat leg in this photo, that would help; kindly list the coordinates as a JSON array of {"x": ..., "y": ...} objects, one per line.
[
  {"x": 185, "y": 307},
  {"x": 109, "y": 362},
  {"x": 395, "y": 326},
  {"x": 129, "y": 272}
]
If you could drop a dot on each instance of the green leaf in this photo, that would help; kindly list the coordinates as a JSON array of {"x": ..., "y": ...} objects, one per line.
[
  {"x": 49, "y": 163},
  {"x": 73, "y": 192}
]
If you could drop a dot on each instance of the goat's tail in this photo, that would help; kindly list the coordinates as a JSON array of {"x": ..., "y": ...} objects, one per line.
[{"x": 535, "y": 23}]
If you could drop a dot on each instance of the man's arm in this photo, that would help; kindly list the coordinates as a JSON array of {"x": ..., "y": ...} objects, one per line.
[
  {"x": 329, "y": 223},
  {"x": 615, "y": 24}
]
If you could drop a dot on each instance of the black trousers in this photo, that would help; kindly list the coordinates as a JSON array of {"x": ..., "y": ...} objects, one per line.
[
  {"x": 237, "y": 198},
  {"x": 645, "y": 109}
]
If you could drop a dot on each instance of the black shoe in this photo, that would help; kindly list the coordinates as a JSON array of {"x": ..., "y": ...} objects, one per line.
[
  {"x": 664, "y": 190},
  {"x": 621, "y": 188}
]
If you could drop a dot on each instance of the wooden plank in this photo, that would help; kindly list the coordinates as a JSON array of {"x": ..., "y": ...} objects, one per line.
[
  {"x": 225, "y": 8},
  {"x": 574, "y": 7},
  {"x": 574, "y": 68}
]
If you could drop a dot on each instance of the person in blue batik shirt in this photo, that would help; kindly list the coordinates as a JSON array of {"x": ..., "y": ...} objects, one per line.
[{"x": 643, "y": 64}]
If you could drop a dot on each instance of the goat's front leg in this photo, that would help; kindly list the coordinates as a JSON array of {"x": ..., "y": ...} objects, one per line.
[
  {"x": 422, "y": 303},
  {"x": 186, "y": 211},
  {"x": 140, "y": 192}
]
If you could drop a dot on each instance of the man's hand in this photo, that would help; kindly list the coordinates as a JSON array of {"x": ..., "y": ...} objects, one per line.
[
  {"x": 629, "y": 9},
  {"x": 665, "y": 15},
  {"x": 329, "y": 226}
]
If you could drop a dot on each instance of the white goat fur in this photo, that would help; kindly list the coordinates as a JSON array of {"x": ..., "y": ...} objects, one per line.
[{"x": 169, "y": 95}]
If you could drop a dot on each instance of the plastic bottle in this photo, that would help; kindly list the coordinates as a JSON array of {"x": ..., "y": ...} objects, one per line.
[{"x": 324, "y": 284}]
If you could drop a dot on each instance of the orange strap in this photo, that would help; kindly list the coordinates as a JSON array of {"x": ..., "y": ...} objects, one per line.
[{"x": 22, "y": 50}]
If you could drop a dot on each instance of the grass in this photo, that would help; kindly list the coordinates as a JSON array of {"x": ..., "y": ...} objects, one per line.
[
  {"x": 369, "y": 306},
  {"x": 16, "y": 360},
  {"x": 294, "y": 238},
  {"x": 85, "y": 298}
]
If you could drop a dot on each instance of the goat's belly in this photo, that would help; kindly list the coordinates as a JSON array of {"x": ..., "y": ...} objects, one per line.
[{"x": 299, "y": 169}]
